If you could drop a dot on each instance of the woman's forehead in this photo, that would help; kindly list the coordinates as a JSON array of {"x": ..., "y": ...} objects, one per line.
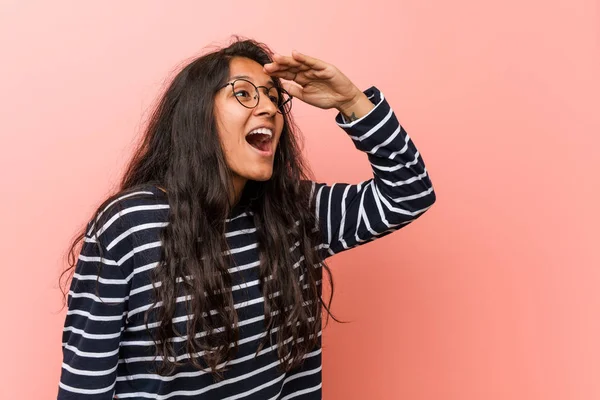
[{"x": 245, "y": 68}]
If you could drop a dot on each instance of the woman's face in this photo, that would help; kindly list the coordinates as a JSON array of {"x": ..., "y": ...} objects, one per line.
[{"x": 249, "y": 153}]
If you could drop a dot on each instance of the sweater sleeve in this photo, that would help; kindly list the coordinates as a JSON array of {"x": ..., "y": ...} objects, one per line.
[
  {"x": 398, "y": 193},
  {"x": 97, "y": 309}
]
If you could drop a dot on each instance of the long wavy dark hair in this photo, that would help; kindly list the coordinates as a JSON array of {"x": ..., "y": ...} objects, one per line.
[{"x": 181, "y": 153}]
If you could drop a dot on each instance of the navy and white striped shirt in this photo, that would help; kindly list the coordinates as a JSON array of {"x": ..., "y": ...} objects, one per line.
[{"x": 107, "y": 350}]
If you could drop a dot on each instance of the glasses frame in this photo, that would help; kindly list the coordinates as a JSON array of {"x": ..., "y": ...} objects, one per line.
[{"x": 232, "y": 83}]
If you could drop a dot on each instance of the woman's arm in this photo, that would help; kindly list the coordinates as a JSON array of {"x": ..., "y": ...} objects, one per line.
[
  {"x": 98, "y": 301},
  {"x": 398, "y": 193},
  {"x": 400, "y": 190}
]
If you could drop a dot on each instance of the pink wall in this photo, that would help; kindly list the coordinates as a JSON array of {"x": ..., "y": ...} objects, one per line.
[{"x": 492, "y": 295}]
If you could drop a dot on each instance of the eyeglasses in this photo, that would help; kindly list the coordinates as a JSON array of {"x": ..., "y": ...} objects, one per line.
[{"x": 247, "y": 94}]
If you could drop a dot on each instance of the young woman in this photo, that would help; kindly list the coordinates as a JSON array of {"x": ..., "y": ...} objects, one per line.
[{"x": 201, "y": 278}]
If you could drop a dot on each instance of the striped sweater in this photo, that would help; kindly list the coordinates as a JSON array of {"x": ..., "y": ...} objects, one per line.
[{"x": 107, "y": 350}]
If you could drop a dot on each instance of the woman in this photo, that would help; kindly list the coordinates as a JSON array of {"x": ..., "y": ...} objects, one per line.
[{"x": 201, "y": 278}]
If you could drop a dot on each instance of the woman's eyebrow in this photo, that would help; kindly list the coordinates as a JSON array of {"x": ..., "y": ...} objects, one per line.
[{"x": 270, "y": 82}]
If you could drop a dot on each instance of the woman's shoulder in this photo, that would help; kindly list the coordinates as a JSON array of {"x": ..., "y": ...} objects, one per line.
[
  {"x": 128, "y": 210},
  {"x": 137, "y": 199}
]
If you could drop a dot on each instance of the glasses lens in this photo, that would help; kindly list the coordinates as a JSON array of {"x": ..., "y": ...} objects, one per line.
[
  {"x": 285, "y": 102},
  {"x": 281, "y": 99},
  {"x": 273, "y": 94},
  {"x": 245, "y": 93}
]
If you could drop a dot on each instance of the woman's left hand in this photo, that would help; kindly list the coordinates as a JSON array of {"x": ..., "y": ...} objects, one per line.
[{"x": 318, "y": 83}]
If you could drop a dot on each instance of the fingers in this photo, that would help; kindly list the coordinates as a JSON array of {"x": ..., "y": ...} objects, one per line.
[
  {"x": 311, "y": 62},
  {"x": 287, "y": 61},
  {"x": 293, "y": 89},
  {"x": 299, "y": 68},
  {"x": 289, "y": 75},
  {"x": 282, "y": 63},
  {"x": 297, "y": 63},
  {"x": 274, "y": 67}
]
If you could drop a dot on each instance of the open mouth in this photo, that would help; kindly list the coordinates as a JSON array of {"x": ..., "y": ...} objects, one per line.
[{"x": 260, "y": 139}]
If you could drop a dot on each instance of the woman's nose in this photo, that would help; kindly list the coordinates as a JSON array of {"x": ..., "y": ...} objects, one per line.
[{"x": 265, "y": 105}]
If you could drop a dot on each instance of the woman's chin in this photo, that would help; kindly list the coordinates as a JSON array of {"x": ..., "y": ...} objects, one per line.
[{"x": 260, "y": 176}]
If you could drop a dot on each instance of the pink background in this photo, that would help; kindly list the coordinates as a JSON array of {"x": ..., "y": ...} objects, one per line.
[{"x": 494, "y": 294}]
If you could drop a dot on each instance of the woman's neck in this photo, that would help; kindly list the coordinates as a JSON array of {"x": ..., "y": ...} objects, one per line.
[{"x": 236, "y": 190}]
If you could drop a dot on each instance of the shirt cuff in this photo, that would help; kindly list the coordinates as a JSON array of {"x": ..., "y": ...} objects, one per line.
[{"x": 373, "y": 94}]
